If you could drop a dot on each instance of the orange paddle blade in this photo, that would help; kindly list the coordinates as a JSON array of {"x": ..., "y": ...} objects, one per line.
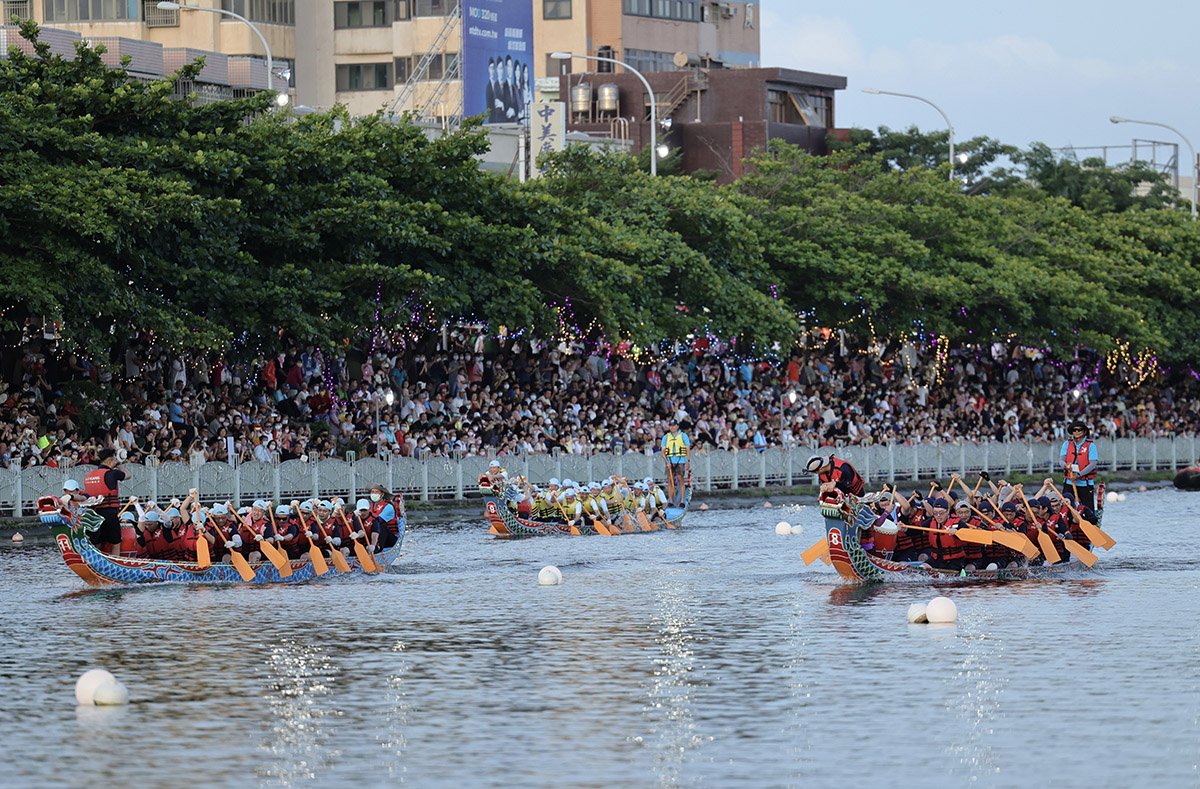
[
  {"x": 825, "y": 558},
  {"x": 276, "y": 557},
  {"x": 1080, "y": 553},
  {"x": 645, "y": 523},
  {"x": 575, "y": 531},
  {"x": 317, "y": 558},
  {"x": 1008, "y": 539},
  {"x": 202, "y": 557},
  {"x": 1097, "y": 535},
  {"x": 242, "y": 566},
  {"x": 814, "y": 553},
  {"x": 339, "y": 560},
  {"x": 599, "y": 527},
  {"x": 977, "y": 536},
  {"x": 1030, "y": 550},
  {"x": 1048, "y": 549},
  {"x": 364, "y": 558}
]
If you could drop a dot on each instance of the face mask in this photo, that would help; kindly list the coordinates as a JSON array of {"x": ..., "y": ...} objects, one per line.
[{"x": 376, "y": 497}]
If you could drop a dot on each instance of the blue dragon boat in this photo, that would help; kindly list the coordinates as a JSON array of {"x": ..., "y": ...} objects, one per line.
[{"x": 101, "y": 569}]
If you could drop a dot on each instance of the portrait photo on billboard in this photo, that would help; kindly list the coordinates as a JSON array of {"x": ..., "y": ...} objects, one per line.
[{"x": 497, "y": 59}]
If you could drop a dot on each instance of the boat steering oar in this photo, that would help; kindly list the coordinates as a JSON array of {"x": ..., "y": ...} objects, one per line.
[
  {"x": 1097, "y": 535},
  {"x": 314, "y": 553},
  {"x": 239, "y": 562},
  {"x": 820, "y": 550},
  {"x": 365, "y": 560}
]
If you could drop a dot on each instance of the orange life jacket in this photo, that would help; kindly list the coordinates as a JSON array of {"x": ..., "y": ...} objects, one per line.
[
  {"x": 1079, "y": 456},
  {"x": 95, "y": 485}
]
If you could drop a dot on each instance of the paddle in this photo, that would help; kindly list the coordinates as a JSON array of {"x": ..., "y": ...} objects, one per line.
[
  {"x": 203, "y": 560},
  {"x": 128, "y": 504},
  {"x": 361, "y": 551},
  {"x": 815, "y": 552},
  {"x": 335, "y": 553},
  {"x": 645, "y": 523},
  {"x": 274, "y": 556},
  {"x": 1094, "y": 532},
  {"x": 1009, "y": 539},
  {"x": 965, "y": 533},
  {"x": 314, "y": 553},
  {"x": 1044, "y": 541},
  {"x": 572, "y": 528},
  {"x": 670, "y": 477},
  {"x": 239, "y": 562}
]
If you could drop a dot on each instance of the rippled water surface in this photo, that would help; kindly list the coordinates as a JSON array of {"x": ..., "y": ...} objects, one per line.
[{"x": 706, "y": 656}]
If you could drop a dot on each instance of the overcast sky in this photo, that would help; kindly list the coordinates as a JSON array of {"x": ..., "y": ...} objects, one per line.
[{"x": 1017, "y": 70}]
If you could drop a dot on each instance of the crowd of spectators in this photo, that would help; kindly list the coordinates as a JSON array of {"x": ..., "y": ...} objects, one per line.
[{"x": 463, "y": 393}]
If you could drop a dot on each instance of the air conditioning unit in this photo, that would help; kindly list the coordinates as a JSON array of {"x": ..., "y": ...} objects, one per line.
[{"x": 728, "y": 10}]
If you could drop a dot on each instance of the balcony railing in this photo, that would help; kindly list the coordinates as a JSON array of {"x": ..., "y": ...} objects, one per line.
[
  {"x": 21, "y": 9},
  {"x": 159, "y": 17}
]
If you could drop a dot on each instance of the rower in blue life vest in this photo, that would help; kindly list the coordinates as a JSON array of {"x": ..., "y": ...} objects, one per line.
[
  {"x": 1080, "y": 460},
  {"x": 675, "y": 448},
  {"x": 385, "y": 517},
  {"x": 835, "y": 473}
]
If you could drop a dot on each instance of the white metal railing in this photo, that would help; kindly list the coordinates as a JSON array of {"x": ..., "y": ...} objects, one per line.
[
  {"x": 449, "y": 478},
  {"x": 21, "y": 9}
]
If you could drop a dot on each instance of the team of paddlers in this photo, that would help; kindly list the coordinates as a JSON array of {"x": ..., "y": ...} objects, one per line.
[
  {"x": 576, "y": 503},
  {"x": 171, "y": 533},
  {"x": 947, "y": 528}
]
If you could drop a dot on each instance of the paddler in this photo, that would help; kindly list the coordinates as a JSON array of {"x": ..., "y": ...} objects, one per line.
[
  {"x": 225, "y": 532},
  {"x": 571, "y": 509},
  {"x": 947, "y": 549},
  {"x": 972, "y": 551}
]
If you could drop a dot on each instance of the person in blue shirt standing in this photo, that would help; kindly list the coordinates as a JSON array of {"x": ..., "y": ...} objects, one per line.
[
  {"x": 675, "y": 448},
  {"x": 1080, "y": 461}
]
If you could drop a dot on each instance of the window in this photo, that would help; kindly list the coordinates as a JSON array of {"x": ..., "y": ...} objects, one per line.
[
  {"x": 403, "y": 70},
  {"x": 361, "y": 13},
  {"x": 364, "y": 76},
  {"x": 401, "y": 9},
  {"x": 649, "y": 60},
  {"x": 272, "y": 12},
  {"x": 684, "y": 10},
  {"x": 86, "y": 10},
  {"x": 441, "y": 64},
  {"x": 557, "y": 68},
  {"x": 431, "y": 7},
  {"x": 556, "y": 9},
  {"x": 798, "y": 108}
]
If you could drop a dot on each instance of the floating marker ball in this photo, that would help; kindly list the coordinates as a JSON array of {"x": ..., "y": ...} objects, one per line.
[
  {"x": 1122, "y": 496},
  {"x": 767, "y": 505},
  {"x": 1111, "y": 496},
  {"x": 18, "y": 538},
  {"x": 916, "y": 614},
  {"x": 797, "y": 528},
  {"x": 111, "y": 694},
  {"x": 85, "y": 687},
  {"x": 549, "y": 576},
  {"x": 1142, "y": 488},
  {"x": 703, "y": 507},
  {"x": 941, "y": 610},
  {"x": 783, "y": 528}
]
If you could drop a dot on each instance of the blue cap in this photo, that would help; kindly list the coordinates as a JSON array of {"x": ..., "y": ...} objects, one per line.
[
  {"x": 172, "y": 513},
  {"x": 1008, "y": 506},
  {"x": 1041, "y": 501},
  {"x": 151, "y": 516},
  {"x": 939, "y": 502},
  {"x": 128, "y": 516}
]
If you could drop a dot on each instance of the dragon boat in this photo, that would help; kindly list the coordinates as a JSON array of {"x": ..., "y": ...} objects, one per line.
[
  {"x": 504, "y": 522},
  {"x": 844, "y": 517},
  {"x": 101, "y": 569}
]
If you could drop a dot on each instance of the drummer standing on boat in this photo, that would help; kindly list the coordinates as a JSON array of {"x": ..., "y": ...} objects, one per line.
[
  {"x": 835, "y": 473},
  {"x": 105, "y": 482},
  {"x": 1080, "y": 460}
]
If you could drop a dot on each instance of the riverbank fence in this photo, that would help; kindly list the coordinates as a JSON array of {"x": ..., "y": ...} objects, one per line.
[{"x": 448, "y": 478}]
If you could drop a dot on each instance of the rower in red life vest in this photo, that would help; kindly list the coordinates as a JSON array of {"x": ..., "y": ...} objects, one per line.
[
  {"x": 972, "y": 551},
  {"x": 386, "y": 512},
  {"x": 251, "y": 535},
  {"x": 1043, "y": 523},
  {"x": 946, "y": 548},
  {"x": 330, "y": 533},
  {"x": 360, "y": 520},
  {"x": 223, "y": 532},
  {"x": 168, "y": 539},
  {"x": 911, "y": 545},
  {"x": 835, "y": 473},
  {"x": 286, "y": 533}
]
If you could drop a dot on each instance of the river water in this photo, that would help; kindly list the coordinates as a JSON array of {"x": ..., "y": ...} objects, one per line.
[{"x": 706, "y": 656}]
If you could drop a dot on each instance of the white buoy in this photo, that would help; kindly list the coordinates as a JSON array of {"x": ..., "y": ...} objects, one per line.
[
  {"x": 703, "y": 507},
  {"x": 797, "y": 529},
  {"x": 549, "y": 576},
  {"x": 85, "y": 686},
  {"x": 916, "y": 614},
  {"x": 1122, "y": 496},
  {"x": 783, "y": 528},
  {"x": 111, "y": 694},
  {"x": 1111, "y": 496},
  {"x": 18, "y": 538},
  {"x": 941, "y": 610},
  {"x": 1142, "y": 488},
  {"x": 767, "y": 505}
]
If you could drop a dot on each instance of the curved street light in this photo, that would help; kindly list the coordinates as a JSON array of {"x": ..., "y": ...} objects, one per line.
[
  {"x": 282, "y": 98},
  {"x": 653, "y": 102},
  {"x": 949, "y": 125},
  {"x": 1191, "y": 150}
]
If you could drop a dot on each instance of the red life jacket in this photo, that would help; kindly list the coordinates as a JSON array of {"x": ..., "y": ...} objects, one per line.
[
  {"x": 95, "y": 485},
  {"x": 911, "y": 540},
  {"x": 847, "y": 478},
  {"x": 1079, "y": 456},
  {"x": 945, "y": 545},
  {"x": 972, "y": 550},
  {"x": 377, "y": 507}
]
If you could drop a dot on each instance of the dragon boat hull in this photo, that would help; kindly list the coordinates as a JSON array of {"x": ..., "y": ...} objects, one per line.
[
  {"x": 856, "y": 565},
  {"x": 100, "y": 569},
  {"x": 503, "y": 523}
]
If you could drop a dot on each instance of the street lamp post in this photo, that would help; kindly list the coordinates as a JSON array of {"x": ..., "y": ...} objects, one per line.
[
  {"x": 170, "y": 6},
  {"x": 389, "y": 398},
  {"x": 653, "y": 102},
  {"x": 784, "y": 401},
  {"x": 1186, "y": 141},
  {"x": 949, "y": 125}
]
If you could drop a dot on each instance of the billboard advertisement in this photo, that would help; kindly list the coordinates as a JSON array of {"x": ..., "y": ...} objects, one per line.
[{"x": 497, "y": 59}]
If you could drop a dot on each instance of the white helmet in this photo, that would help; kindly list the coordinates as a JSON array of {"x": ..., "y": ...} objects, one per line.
[
  {"x": 71, "y": 485},
  {"x": 362, "y": 504},
  {"x": 814, "y": 463},
  {"x": 553, "y": 481}
]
